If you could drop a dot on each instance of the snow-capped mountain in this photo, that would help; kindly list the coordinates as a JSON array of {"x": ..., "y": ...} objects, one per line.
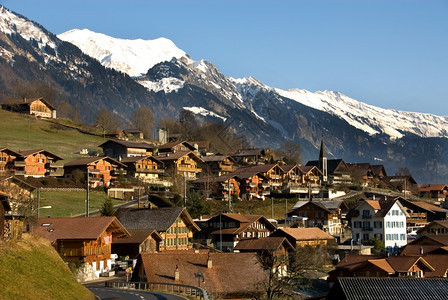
[
  {"x": 133, "y": 57},
  {"x": 94, "y": 71},
  {"x": 136, "y": 57}
]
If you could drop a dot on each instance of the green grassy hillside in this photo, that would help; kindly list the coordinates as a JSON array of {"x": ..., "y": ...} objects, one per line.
[
  {"x": 32, "y": 269},
  {"x": 20, "y": 132}
]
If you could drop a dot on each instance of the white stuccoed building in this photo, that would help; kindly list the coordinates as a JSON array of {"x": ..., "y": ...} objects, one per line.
[{"x": 384, "y": 220}]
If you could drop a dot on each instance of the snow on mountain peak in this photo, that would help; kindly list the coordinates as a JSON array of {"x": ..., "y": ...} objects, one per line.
[
  {"x": 133, "y": 57},
  {"x": 11, "y": 23}
]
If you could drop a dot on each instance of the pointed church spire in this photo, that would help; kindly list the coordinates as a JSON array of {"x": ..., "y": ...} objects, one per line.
[{"x": 323, "y": 162}]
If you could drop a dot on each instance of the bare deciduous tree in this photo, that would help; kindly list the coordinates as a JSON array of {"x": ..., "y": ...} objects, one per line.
[
  {"x": 143, "y": 120},
  {"x": 106, "y": 121}
]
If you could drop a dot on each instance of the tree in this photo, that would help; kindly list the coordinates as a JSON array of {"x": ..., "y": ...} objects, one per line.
[
  {"x": 106, "y": 121},
  {"x": 290, "y": 152},
  {"x": 188, "y": 125},
  {"x": 378, "y": 245},
  {"x": 299, "y": 264},
  {"x": 196, "y": 206},
  {"x": 107, "y": 209},
  {"x": 143, "y": 120}
]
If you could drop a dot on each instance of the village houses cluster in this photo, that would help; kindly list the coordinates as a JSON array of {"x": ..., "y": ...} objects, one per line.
[{"x": 165, "y": 244}]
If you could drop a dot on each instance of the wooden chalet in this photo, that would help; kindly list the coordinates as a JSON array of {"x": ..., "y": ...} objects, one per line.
[
  {"x": 326, "y": 215},
  {"x": 174, "y": 224},
  {"x": 139, "y": 241},
  {"x": 252, "y": 185},
  {"x": 120, "y": 149},
  {"x": 224, "y": 231},
  {"x": 434, "y": 228},
  {"x": 172, "y": 147},
  {"x": 7, "y": 158},
  {"x": 299, "y": 237},
  {"x": 31, "y": 106},
  {"x": 186, "y": 164},
  {"x": 273, "y": 173},
  {"x": 338, "y": 171},
  {"x": 11, "y": 224},
  {"x": 438, "y": 192},
  {"x": 378, "y": 172},
  {"x": 20, "y": 194},
  {"x": 361, "y": 173},
  {"x": 125, "y": 134},
  {"x": 421, "y": 213},
  {"x": 146, "y": 168},
  {"x": 250, "y": 156},
  {"x": 223, "y": 275},
  {"x": 220, "y": 188},
  {"x": 292, "y": 175},
  {"x": 87, "y": 240},
  {"x": 218, "y": 165},
  {"x": 101, "y": 170},
  {"x": 38, "y": 163}
]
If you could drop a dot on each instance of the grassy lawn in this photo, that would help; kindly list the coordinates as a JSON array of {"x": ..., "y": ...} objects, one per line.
[
  {"x": 32, "y": 269},
  {"x": 21, "y": 132},
  {"x": 68, "y": 204}
]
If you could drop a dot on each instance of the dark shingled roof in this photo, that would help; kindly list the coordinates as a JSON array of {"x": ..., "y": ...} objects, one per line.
[
  {"x": 138, "y": 236},
  {"x": 88, "y": 160},
  {"x": 265, "y": 243},
  {"x": 160, "y": 219},
  {"x": 392, "y": 288},
  {"x": 30, "y": 152},
  {"x": 129, "y": 144}
]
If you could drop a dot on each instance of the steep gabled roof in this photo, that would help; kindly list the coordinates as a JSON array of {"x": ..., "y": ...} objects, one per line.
[
  {"x": 328, "y": 205},
  {"x": 266, "y": 243},
  {"x": 85, "y": 161},
  {"x": 134, "y": 159},
  {"x": 27, "y": 153},
  {"x": 79, "y": 228},
  {"x": 432, "y": 187},
  {"x": 166, "y": 157},
  {"x": 423, "y": 205},
  {"x": 28, "y": 101},
  {"x": 249, "y": 152},
  {"x": 138, "y": 236},
  {"x": 257, "y": 168},
  {"x": 171, "y": 145},
  {"x": 9, "y": 151},
  {"x": 405, "y": 263},
  {"x": 160, "y": 219},
  {"x": 334, "y": 166}
]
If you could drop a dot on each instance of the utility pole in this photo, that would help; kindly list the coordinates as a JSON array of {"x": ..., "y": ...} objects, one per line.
[
  {"x": 230, "y": 199},
  {"x": 185, "y": 189},
  {"x": 87, "y": 195},
  {"x": 38, "y": 201}
]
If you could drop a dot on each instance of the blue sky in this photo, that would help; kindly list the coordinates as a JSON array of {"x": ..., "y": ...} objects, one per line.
[{"x": 392, "y": 54}]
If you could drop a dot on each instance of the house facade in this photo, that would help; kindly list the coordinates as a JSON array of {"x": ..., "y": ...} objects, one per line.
[
  {"x": 33, "y": 106},
  {"x": 218, "y": 165},
  {"x": 435, "y": 191},
  {"x": 88, "y": 240},
  {"x": 120, "y": 149},
  {"x": 186, "y": 164},
  {"x": 146, "y": 168},
  {"x": 383, "y": 220},
  {"x": 7, "y": 158},
  {"x": 224, "y": 231},
  {"x": 221, "y": 187},
  {"x": 139, "y": 241},
  {"x": 101, "y": 170},
  {"x": 300, "y": 237},
  {"x": 38, "y": 163},
  {"x": 173, "y": 224},
  {"x": 326, "y": 215}
]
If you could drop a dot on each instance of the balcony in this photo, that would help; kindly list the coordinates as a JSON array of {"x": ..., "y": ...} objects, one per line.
[
  {"x": 118, "y": 172},
  {"x": 150, "y": 171},
  {"x": 94, "y": 171},
  {"x": 55, "y": 173},
  {"x": 18, "y": 172},
  {"x": 54, "y": 165},
  {"x": 19, "y": 163},
  {"x": 367, "y": 216}
]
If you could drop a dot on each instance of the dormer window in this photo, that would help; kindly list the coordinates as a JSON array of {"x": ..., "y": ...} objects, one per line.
[{"x": 45, "y": 224}]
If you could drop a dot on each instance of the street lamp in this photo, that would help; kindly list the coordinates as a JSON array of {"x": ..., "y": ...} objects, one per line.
[{"x": 48, "y": 206}]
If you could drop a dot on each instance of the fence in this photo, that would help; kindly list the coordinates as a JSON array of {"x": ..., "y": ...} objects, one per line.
[{"x": 162, "y": 287}]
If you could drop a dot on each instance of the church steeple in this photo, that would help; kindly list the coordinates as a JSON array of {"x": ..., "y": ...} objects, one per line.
[{"x": 323, "y": 162}]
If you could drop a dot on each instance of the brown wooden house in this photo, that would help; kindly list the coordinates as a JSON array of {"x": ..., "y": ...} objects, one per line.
[
  {"x": 32, "y": 106},
  {"x": 361, "y": 173},
  {"x": 218, "y": 165},
  {"x": 253, "y": 185},
  {"x": 174, "y": 224},
  {"x": 224, "y": 231},
  {"x": 338, "y": 171},
  {"x": 299, "y": 237},
  {"x": 87, "y": 240},
  {"x": 38, "y": 163},
  {"x": 102, "y": 170},
  {"x": 435, "y": 191},
  {"x": 326, "y": 215},
  {"x": 20, "y": 198},
  {"x": 273, "y": 173},
  {"x": 7, "y": 158},
  {"x": 421, "y": 213},
  {"x": 146, "y": 168},
  {"x": 186, "y": 164},
  {"x": 250, "y": 156},
  {"x": 120, "y": 149},
  {"x": 220, "y": 188},
  {"x": 173, "y": 147},
  {"x": 139, "y": 241}
]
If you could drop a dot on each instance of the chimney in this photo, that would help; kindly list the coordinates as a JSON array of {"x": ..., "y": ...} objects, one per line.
[
  {"x": 209, "y": 262},
  {"x": 373, "y": 197},
  {"x": 421, "y": 250},
  {"x": 176, "y": 274}
]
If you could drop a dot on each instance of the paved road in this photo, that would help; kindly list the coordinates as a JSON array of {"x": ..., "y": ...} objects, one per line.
[{"x": 106, "y": 293}]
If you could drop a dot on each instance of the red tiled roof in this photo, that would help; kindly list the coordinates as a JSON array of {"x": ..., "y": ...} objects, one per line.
[
  {"x": 432, "y": 187},
  {"x": 79, "y": 228},
  {"x": 231, "y": 273},
  {"x": 307, "y": 234}
]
